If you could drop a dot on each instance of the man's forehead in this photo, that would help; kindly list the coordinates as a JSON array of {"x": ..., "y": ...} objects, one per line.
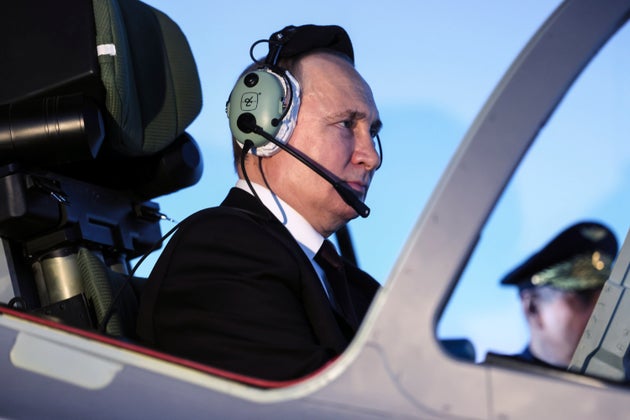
[{"x": 332, "y": 79}]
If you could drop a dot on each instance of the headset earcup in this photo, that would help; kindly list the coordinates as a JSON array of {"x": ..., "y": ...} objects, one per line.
[{"x": 264, "y": 95}]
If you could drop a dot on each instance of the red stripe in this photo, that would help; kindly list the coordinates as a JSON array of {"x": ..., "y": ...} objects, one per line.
[{"x": 244, "y": 379}]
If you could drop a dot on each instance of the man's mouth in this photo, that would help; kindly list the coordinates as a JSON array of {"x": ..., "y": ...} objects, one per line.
[{"x": 358, "y": 187}]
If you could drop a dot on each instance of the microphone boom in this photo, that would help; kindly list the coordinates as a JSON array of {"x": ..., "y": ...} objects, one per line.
[{"x": 247, "y": 123}]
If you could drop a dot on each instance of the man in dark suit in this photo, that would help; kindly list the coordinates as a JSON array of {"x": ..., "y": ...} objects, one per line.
[{"x": 245, "y": 286}]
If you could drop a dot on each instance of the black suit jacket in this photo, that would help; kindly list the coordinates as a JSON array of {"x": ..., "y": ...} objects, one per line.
[{"x": 234, "y": 290}]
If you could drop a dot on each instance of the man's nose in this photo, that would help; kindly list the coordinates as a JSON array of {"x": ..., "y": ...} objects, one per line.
[{"x": 366, "y": 151}]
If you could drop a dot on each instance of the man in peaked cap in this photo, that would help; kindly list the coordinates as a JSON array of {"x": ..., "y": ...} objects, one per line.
[{"x": 559, "y": 286}]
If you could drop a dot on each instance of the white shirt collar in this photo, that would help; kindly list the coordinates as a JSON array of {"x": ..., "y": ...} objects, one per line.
[{"x": 307, "y": 237}]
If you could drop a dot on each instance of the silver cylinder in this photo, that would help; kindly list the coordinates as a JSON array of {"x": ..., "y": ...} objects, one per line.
[{"x": 57, "y": 277}]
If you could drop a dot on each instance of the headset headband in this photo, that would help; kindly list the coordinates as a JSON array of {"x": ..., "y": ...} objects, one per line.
[{"x": 295, "y": 40}]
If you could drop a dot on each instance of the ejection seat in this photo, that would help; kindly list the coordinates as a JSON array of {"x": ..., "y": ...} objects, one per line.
[{"x": 95, "y": 97}]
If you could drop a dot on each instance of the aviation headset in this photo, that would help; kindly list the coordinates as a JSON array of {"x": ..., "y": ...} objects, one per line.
[{"x": 270, "y": 96}]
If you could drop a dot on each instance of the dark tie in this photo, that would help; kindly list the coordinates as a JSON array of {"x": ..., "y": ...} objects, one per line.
[{"x": 331, "y": 263}]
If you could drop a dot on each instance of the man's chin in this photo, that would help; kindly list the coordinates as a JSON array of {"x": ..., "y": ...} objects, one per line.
[{"x": 350, "y": 213}]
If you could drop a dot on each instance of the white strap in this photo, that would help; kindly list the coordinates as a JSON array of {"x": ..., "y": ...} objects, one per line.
[{"x": 106, "y": 49}]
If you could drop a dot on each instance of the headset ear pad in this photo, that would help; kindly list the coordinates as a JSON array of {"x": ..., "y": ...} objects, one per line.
[{"x": 273, "y": 101}]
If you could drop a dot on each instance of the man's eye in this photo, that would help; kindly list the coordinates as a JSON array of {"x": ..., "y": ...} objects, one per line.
[{"x": 347, "y": 124}]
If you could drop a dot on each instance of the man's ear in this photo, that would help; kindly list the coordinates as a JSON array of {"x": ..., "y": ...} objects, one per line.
[{"x": 530, "y": 306}]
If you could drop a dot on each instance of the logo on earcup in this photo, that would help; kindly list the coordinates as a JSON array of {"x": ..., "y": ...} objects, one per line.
[{"x": 249, "y": 101}]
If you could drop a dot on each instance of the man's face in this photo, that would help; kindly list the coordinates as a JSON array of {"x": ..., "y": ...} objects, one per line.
[
  {"x": 563, "y": 317},
  {"x": 336, "y": 127}
]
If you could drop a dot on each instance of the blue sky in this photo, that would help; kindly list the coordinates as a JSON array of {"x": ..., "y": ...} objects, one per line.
[{"x": 431, "y": 65}]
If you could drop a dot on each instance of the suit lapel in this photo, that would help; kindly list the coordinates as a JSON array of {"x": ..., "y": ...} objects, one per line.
[{"x": 331, "y": 329}]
